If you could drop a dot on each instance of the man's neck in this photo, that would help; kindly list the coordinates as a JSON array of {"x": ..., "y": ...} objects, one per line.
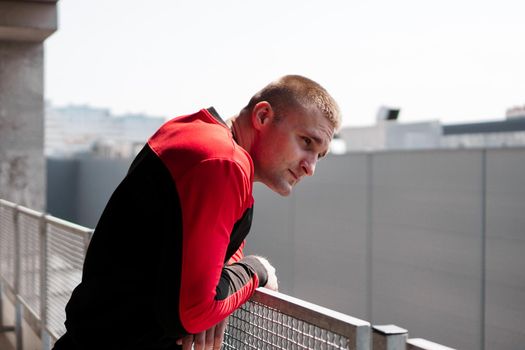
[{"x": 241, "y": 131}]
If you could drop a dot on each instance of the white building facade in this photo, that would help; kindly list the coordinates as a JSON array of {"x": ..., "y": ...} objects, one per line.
[{"x": 74, "y": 130}]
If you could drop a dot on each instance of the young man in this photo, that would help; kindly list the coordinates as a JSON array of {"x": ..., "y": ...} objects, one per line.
[{"x": 165, "y": 265}]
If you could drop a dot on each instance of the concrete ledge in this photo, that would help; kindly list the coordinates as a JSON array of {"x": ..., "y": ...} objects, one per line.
[
  {"x": 423, "y": 344},
  {"x": 27, "y": 21}
]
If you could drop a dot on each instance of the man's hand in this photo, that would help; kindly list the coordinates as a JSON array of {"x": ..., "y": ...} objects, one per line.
[
  {"x": 210, "y": 339},
  {"x": 272, "y": 277}
]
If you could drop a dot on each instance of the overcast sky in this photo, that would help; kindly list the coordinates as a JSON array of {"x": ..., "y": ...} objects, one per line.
[{"x": 452, "y": 60}]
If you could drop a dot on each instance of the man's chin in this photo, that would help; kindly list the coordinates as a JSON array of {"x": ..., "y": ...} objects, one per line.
[
  {"x": 284, "y": 190},
  {"x": 285, "y": 194}
]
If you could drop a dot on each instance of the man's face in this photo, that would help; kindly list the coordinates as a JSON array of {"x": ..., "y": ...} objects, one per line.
[{"x": 288, "y": 149}]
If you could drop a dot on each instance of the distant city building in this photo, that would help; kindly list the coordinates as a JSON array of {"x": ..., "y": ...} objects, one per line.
[
  {"x": 389, "y": 134},
  {"x": 74, "y": 130},
  {"x": 516, "y": 112},
  {"x": 504, "y": 133}
]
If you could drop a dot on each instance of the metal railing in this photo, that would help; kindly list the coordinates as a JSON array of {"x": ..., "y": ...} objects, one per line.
[
  {"x": 41, "y": 261},
  {"x": 272, "y": 320}
]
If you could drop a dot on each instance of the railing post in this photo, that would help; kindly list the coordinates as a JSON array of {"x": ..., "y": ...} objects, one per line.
[
  {"x": 43, "y": 282},
  {"x": 18, "y": 262},
  {"x": 87, "y": 239},
  {"x": 389, "y": 337},
  {"x": 2, "y": 328},
  {"x": 363, "y": 337},
  {"x": 4, "y": 259}
]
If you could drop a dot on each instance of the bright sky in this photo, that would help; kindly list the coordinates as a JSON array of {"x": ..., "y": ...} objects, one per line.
[{"x": 452, "y": 60}]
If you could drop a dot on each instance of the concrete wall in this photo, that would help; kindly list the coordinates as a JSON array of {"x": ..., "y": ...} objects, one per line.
[{"x": 432, "y": 241}]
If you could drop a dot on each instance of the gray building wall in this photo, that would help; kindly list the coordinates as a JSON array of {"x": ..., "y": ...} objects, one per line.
[
  {"x": 426, "y": 231},
  {"x": 97, "y": 180},
  {"x": 504, "y": 249},
  {"x": 78, "y": 189},
  {"x": 429, "y": 240},
  {"x": 62, "y": 196}
]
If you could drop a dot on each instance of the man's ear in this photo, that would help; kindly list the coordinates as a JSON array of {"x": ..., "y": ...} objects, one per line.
[{"x": 262, "y": 115}]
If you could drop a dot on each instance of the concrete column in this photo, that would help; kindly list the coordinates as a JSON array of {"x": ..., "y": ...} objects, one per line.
[
  {"x": 22, "y": 168},
  {"x": 24, "y": 25}
]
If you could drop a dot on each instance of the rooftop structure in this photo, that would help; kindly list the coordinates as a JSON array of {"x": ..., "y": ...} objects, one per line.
[{"x": 389, "y": 134}]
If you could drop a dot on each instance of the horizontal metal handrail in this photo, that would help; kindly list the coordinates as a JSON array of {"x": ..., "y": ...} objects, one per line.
[
  {"x": 29, "y": 212},
  {"x": 66, "y": 225},
  {"x": 8, "y": 204}
]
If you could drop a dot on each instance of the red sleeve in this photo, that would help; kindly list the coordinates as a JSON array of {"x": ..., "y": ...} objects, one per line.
[
  {"x": 238, "y": 255},
  {"x": 213, "y": 194}
]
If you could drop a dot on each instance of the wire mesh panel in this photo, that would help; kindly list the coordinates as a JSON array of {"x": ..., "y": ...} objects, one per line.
[
  {"x": 276, "y": 321},
  {"x": 255, "y": 326},
  {"x": 29, "y": 233},
  {"x": 65, "y": 256},
  {"x": 7, "y": 242}
]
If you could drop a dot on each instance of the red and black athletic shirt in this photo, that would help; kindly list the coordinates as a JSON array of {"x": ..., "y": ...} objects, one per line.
[{"x": 166, "y": 257}]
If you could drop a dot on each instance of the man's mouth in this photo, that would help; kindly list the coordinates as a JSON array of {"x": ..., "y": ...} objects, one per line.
[{"x": 295, "y": 177}]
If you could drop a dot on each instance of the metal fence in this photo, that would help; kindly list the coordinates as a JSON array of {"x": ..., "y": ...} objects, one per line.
[
  {"x": 272, "y": 320},
  {"x": 41, "y": 262}
]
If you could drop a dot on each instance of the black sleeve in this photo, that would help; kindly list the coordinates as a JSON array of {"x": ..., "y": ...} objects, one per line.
[{"x": 234, "y": 276}]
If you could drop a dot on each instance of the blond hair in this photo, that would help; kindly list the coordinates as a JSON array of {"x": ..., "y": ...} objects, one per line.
[{"x": 292, "y": 91}]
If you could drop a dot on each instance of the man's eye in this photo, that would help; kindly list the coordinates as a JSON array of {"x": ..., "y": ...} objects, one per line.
[{"x": 307, "y": 141}]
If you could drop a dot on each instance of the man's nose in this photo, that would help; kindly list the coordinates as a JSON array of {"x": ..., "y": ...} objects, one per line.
[{"x": 308, "y": 166}]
